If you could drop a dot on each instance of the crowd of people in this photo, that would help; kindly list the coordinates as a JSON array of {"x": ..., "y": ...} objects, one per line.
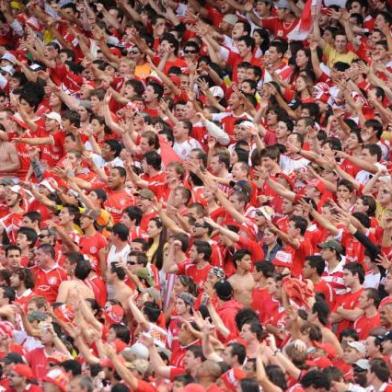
[{"x": 195, "y": 196}]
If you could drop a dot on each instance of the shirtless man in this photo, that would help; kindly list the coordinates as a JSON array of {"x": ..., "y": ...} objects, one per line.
[
  {"x": 120, "y": 291},
  {"x": 9, "y": 159},
  {"x": 78, "y": 269},
  {"x": 242, "y": 281}
]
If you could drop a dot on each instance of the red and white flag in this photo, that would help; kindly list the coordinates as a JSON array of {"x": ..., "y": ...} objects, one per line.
[{"x": 305, "y": 24}]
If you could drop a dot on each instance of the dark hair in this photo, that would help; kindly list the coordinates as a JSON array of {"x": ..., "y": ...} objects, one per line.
[
  {"x": 9, "y": 293},
  {"x": 240, "y": 254},
  {"x": 184, "y": 239},
  {"x": 203, "y": 247},
  {"x": 115, "y": 146},
  {"x": 321, "y": 308},
  {"x": 34, "y": 216},
  {"x": 380, "y": 369},
  {"x": 121, "y": 231},
  {"x": 245, "y": 315},
  {"x": 356, "y": 269},
  {"x": 134, "y": 213},
  {"x": 153, "y": 159},
  {"x": 122, "y": 332},
  {"x": 12, "y": 247},
  {"x": 266, "y": 268},
  {"x": 48, "y": 250},
  {"x": 249, "y": 385},
  {"x": 316, "y": 262},
  {"x": 316, "y": 379},
  {"x": 152, "y": 311},
  {"x": 30, "y": 234},
  {"x": 26, "y": 276},
  {"x": 73, "y": 116},
  {"x": 299, "y": 223},
  {"x": 82, "y": 269},
  {"x": 277, "y": 376},
  {"x": 73, "y": 366},
  {"x": 119, "y": 271},
  {"x": 238, "y": 349},
  {"x": 374, "y": 150},
  {"x": 197, "y": 351},
  {"x": 158, "y": 89},
  {"x": 349, "y": 333}
]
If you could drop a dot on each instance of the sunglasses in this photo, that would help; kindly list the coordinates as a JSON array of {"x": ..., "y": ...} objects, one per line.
[
  {"x": 43, "y": 235},
  {"x": 130, "y": 262},
  {"x": 187, "y": 51},
  {"x": 134, "y": 51},
  {"x": 199, "y": 225}
]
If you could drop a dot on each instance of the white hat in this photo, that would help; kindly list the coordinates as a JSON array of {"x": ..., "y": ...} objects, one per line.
[
  {"x": 9, "y": 69},
  {"x": 360, "y": 347},
  {"x": 54, "y": 116},
  {"x": 137, "y": 351},
  {"x": 9, "y": 57},
  {"x": 217, "y": 92}
]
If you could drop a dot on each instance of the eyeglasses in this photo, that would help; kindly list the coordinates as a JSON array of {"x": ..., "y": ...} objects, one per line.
[
  {"x": 199, "y": 225},
  {"x": 131, "y": 262},
  {"x": 189, "y": 51}
]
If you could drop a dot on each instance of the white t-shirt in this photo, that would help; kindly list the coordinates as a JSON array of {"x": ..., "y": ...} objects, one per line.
[{"x": 183, "y": 149}]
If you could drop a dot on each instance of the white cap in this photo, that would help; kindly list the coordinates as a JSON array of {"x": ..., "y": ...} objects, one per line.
[
  {"x": 54, "y": 116},
  {"x": 9, "y": 57},
  {"x": 9, "y": 69},
  {"x": 360, "y": 347},
  {"x": 217, "y": 92},
  {"x": 137, "y": 351}
]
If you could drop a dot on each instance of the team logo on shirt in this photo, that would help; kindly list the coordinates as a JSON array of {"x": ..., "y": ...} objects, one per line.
[
  {"x": 93, "y": 249},
  {"x": 52, "y": 280}
]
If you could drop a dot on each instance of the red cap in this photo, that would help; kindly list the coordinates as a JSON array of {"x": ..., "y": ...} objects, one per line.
[
  {"x": 327, "y": 348},
  {"x": 57, "y": 377},
  {"x": 322, "y": 362},
  {"x": 114, "y": 314},
  {"x": 23, "y": 370},
  {"x": 283, "y": 259}
]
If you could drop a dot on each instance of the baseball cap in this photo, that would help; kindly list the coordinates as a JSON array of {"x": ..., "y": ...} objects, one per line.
[
  {"x": 230, "y": 19},
  {"x": 332, "y": 244},
  {"x": 387, "y": 336},
  {"x": 321, "y": 362},
  {"x": 360, "y": 347},
  {"x": 217, "y": 92},
  {"x": 136, "y": 351},
  {"x": 23, "y": 370},
  {"x": 283, "y": 259},
  {"x": 145, "y": 194},
  {"x": 9, "y": 57},
  {"x": 54, "y": 116},
  {"x": 362, "y": 364},
  {"x": 37, "y": 315},
  {"x": 57, "y": 377},
  {"x": 8, "y": 69}
]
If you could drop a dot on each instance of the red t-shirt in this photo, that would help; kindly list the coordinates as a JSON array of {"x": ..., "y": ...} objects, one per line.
[
  {"x": 47, "y": 282},
  {"x": 199, "y": 275},
  {"x": 305, "y": 249},
  {"x": 117, "y": 201},
  {"x": 364, "y": 325}
]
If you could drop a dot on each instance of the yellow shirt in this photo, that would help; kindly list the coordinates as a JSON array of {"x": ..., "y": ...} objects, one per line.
[
  {"x": 333, "y": 56},
  {"x": 143, "y": 71}
]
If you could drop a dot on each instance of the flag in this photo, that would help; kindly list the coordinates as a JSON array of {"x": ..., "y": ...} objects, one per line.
[
  {"x": 304, "y": 25},
  {"x": 167, "y": 153}
]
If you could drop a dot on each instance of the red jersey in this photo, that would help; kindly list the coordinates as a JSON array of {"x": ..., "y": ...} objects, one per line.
[
  {"x": 305, "y": 249},
  {"x": 97, "y": 284},
  {"x": 91, "y": 245},
  {"x": 52, "y": 153},
  {"x": 326, "y": 289},
  {"x": 349, "y": 301},
  {"x": 47, "y": 282},
  {"x": 364, "y": 325},
  {"x": 199, "y": 275},
  {"x": 117, "y": 201},
  {"x": 264, "y": 304}
]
